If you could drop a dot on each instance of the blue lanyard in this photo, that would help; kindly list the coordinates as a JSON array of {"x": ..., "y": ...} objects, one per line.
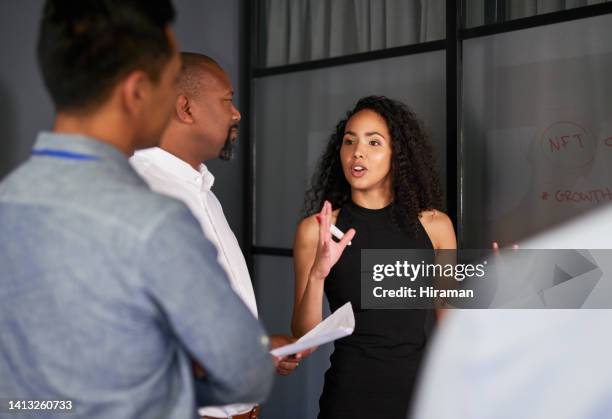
[{"x": 62, "y": 154}]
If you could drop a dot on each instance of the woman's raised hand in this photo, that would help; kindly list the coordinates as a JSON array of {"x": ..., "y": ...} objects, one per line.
[{"x": 328, "y": 251}]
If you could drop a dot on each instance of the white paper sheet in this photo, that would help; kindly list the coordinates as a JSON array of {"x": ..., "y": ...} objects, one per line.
[{"x": 338, "y": 325}]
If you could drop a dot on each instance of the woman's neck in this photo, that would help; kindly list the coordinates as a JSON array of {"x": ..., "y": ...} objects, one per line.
[{"x": 373, "y": 199}]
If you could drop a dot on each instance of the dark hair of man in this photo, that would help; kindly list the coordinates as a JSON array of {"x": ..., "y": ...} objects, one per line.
[
  {"x": 415, "y": 183},
  {"x": 86, "y": 46}
]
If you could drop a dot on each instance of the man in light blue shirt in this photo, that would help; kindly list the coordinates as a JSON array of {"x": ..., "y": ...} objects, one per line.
[{"x": 107, "y": 290}]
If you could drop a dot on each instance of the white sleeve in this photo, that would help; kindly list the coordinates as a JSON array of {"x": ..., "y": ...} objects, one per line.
[{"x": 445, "y": 389}]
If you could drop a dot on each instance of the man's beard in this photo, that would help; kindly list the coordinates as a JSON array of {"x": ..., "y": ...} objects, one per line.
[{"x": 227, "y": 152}]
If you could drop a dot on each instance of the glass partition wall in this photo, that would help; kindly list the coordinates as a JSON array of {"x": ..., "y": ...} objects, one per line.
[{"x": 514, "y": 94}]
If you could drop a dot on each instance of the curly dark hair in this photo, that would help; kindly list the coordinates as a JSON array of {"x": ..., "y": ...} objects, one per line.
[{"x": 415, "y": 183}]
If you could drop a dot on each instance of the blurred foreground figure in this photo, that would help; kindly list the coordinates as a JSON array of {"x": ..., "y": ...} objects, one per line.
[{"x": 527, "y": 363}]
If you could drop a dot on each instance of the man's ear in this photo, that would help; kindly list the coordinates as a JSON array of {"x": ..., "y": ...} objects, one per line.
[
  {"x": 134, "y": 90},
  {"x": 184, "y": 110}
]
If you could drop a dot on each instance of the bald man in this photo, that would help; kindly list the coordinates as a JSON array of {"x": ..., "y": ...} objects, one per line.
[{"x": 205, "y": 126}]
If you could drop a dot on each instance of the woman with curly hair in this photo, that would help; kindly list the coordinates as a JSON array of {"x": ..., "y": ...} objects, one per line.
[{"x": 378, "y": 172}]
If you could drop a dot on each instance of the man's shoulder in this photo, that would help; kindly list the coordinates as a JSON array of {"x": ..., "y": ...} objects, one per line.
[
  {"x": 143, "y": 158},
  {"x": 106, "y": 198},
  {"x": 142, "y": 207},
  {"x": 153, "y": 163}
]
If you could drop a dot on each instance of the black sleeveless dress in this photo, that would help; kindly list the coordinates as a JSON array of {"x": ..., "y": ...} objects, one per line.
[{"x": 373, "y": 371}]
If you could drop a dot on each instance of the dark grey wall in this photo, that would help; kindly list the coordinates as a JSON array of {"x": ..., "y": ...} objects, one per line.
[
  {"x": 212, "y": 27},
  {"x": 25, "y": 107},
  {"x": 209, "y": 27}
]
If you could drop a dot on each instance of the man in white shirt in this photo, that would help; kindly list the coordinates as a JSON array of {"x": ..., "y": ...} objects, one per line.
[{"x": 204, "y": 127}]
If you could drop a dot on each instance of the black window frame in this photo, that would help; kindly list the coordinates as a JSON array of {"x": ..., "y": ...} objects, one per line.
[{"x": 456, "y": 33}]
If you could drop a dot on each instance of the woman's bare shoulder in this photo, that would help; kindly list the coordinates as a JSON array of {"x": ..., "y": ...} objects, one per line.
[
  {"x": 434, "y": 217},
  {"x": 439, "y": 228},
  {"x": 308, "y": 229}
]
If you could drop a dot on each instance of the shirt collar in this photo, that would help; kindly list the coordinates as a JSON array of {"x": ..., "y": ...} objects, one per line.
[{"x": 177, "y": 167}]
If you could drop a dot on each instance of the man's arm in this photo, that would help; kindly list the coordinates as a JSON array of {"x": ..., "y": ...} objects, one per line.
[
  {"x": 446, "y": 388},
  {"x": 180, "y": 270}
]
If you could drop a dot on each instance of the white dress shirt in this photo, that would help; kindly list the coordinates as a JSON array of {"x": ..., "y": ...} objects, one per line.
[{"x": 167, "y": 174}]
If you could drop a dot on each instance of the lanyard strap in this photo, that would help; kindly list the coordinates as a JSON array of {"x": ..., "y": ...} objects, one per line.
[{"x": 62, "y": 154}]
